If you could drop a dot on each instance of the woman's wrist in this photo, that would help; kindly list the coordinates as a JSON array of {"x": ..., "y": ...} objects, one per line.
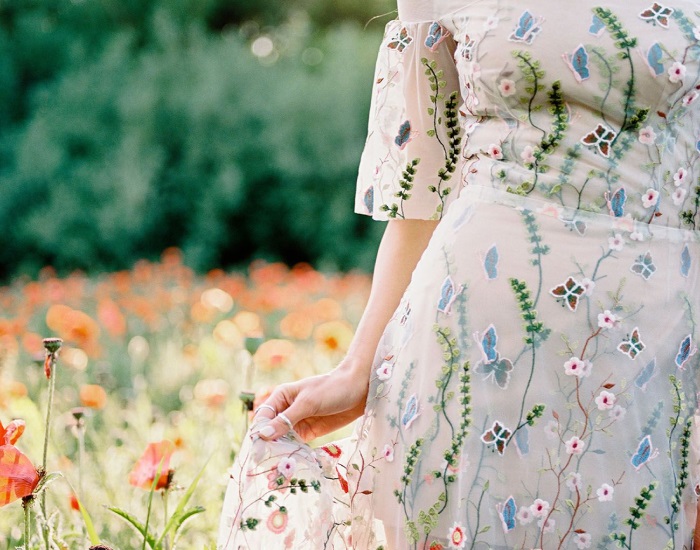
[{"x": 355, "y": 365}]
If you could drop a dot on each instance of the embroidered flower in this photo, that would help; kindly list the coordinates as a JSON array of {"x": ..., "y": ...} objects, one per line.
[
  {"x": 435, "y": 545},
  {"x": 647, "y": 135},
  {"x": 618, "y": 412},
  {"x": 575, "y": 367},
  {"x": 524, "y": 515},
  {"x": 548, "y": 526},
  {"x": 605, "y": 400},
  {"x": 457, "y": 537},
  {"x": 385, "y": 369},
  {"x": 690, "y": 98},
  {"x": 575, "y": 445},
  {"x": 677, "y": 72},
  {"x": 287, "y": 467},
  {"x": 588, "y": 285},
  {"x": 332, "y": 450},
  {"x": 607, "y": 319},
  {"x": 650, "y": 198},
  {"x": 680, "y": 177},
  {"x": 528, "y": 154},
  {"x": 495, "y": 151},
  {"x": 551, "y": 429},
  {"x": 539, "y": 508},
  {"x": 277, "y": 522},
  {"x": 582, "y": 540},
  {"x": 605, "y": 492},
  {"x": 636, "y": 236},
  {"x": 490, "y": 23},
  {"x": 678, "y": 196},
  {"x": 388, "y": 453},
  {"x": 506, "y": 87},
  {"x": 696, "y": 33},
  {"x": 616, "y": 242},
  {"x": 573, "y": 482}
]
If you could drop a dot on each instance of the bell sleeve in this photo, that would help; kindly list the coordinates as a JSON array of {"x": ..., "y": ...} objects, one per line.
[{"x": 408, "y": 168}]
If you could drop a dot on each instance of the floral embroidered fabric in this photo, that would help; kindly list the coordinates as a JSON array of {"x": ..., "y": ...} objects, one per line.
[{"x": 537, "y": 385}]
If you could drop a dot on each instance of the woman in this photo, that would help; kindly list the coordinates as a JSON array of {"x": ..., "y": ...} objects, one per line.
[{"x": 526, "y": 367}]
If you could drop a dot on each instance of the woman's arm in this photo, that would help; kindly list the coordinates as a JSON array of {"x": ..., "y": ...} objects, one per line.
[{"x": 320, "y": 404}]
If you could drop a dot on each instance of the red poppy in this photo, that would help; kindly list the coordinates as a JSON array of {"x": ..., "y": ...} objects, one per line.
[
  {"x": 10, "y": 434},
  {"x": 144, "y": 472},
  {"x": 18, "y": 477}
]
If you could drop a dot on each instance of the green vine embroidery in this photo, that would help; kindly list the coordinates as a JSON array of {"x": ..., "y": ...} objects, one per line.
[
  {"x": 405, "y": 184},
  {"x": 636, "y": 512}
]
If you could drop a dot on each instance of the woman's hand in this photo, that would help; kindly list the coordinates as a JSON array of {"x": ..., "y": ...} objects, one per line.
[{"x": 316, "y": 405}]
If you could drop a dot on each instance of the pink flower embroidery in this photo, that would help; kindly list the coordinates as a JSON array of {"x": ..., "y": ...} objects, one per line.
[
  {"x": 606, "y": 319},
  {"x": 506, "y": 87},
  {"x": 495, "y": 151},
  {"x": 616, "y": 242},
  {"x": 677, "y": 72},
  {"x": 575, "y": 367},
  {"x": 650, "y": 198},
  {"x": 388, "y": 453},
  {"x": 605, "y": 400},
  {"x": 277, "y": 522},
  {"x": 575, "y": 445},
  {"x": 680, "y": 176},
  {"x": 287, "y": 467},
  {"x": 678, "y": 196},
  {"x": 539, "y": 508},
  {"x": 582, "y": 540},
  {"x": 647, "y": 136},
  {"x": 605, "y": 492},
  {"x": 457, "y": 538}
]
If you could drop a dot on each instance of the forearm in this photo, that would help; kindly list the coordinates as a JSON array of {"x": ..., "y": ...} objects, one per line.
[{"x": 401, "y": 247}]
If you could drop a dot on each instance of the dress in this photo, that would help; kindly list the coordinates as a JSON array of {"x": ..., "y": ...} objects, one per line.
[{"x": 537, "y": 385}]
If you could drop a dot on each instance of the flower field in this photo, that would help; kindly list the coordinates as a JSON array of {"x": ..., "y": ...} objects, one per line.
[{"x": 153, "y": 368}]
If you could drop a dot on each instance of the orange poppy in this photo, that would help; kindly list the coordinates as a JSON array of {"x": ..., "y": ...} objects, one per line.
[
  {"x": 18, "y": 477},
  {"x": 93, "y": 396},
  {"x": 12, "y": 432},
  {"x": 144, "y": 472}
]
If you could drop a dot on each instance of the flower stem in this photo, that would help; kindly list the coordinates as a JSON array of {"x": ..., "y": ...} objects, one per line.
[
  {"x": 27, "y": 527},
  {"x": 166, "y": 540},
  {"x": 52, "y": 387}
]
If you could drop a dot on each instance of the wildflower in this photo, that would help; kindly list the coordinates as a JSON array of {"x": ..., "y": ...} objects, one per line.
[
  {"x": 12, "y": 432},
  {"x": 605, "y": 492},
  {"x": 213, "y": 392},
  {"x": 333, "y": 336},
  {"x": 506, "y": 87},
  {"x": 273, "y": 354},
  {"x": 93, "y": 396},
  {"x": 457, "y": 536},
  {"x": 647, "y": 136},
  {"x": 606, "y": 319},
  {"x": 297, "y": 325},
  {"x": 677, "y": 72},
  {"x": 495, "y": 151},
  {"x": 616, "y": 242},
  {"x": 18, "y": 477},
  {"x": 605, "y": 400},
  {"x": 582, "y": 540},
  {"x": 650, "y": 198},
  {"x": 575, "y": 445},
  {"x": 156, "y": 457}
]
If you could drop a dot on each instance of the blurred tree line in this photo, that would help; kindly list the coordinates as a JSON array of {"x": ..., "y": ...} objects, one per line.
[{"x": 229, "y": 128}]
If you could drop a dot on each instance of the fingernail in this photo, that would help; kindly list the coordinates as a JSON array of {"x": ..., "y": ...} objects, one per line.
[{"x": 267, "y": 431}]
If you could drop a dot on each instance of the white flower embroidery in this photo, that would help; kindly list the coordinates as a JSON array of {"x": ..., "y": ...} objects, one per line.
[
  {"x": 605, "y": 400},
  {"x": 680, "y": 176},
  {"x": 583, "y": 540},
  {"x": 605, "y": 492},
  {"x": 647, "y": 135},
  {"x": 524, "y": 515},
  {"x": 678, "y": 196},
  {"x": 588, "y": 285},
  {"x": 650, "y": 198},
  {"x": 690, "y": 98},
  {"x": 573, "y": 482},
  {"x": 495, "y": 151},
  {"x": 551, "y": 429},
  {"x": 677, "y": 72},
  {"x": 636, "y": 236},
  {"x": 575, "y": 445},
  {"x": 539, "y": 508},
  {"x": 618, "y": 412},
  {"x": 575, "y": 367},
  {"x": 287, "y": 467},
  {"x": 528, "y": 154},
  {"x": 616, "y": 242},
  {"x": 607, "y": 319},
  {"x": 506, "y": 87},
  {"x": 491, "y": 23},
  {"x": 388, "y": 453}
]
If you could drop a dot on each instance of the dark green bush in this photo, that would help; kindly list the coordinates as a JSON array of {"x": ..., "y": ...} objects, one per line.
[{"x": 127, "y": 127}]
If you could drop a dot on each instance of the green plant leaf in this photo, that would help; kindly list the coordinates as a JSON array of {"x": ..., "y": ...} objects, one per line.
[{"x": 135, "y": 523}]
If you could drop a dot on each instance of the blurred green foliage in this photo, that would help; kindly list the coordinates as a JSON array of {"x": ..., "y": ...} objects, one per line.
[{"x": 127, "y": 126}]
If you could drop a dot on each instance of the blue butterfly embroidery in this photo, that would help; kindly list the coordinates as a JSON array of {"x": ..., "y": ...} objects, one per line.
[
  {"x": 633, "y": 345},
  {"x": 578, "y": 63},
  {"x": 597, "y": 26},
  {"x": 653, "y": 59},
  {"x": 645, "y": 452},
  {"x": 448, "y": 294},
  {"x": 685, "y": 351},
  {"x": 644, "y": 266},
  {"x": 497, "y": 436},
  {"x": 436, "y": 34},
  {"x": 657, "y": 14},
  {"x": 368, "y": 199},
  {"x": 685, "y": 261},
  {"x": 404, "y": 135},
  {"x": 645, "y": 375},
  {"x": 491, "y": 263},
  {"x": 410, "y": 412},
  {"x": 528, "y": 27},
  {"x": 616, "y": 202},
  {"x": 578, "y": 225},
  {"x": 569, "y": 292},
  {"x": 507, "y": 511},
  {"x": 601, "y": 138},
  {"x": 493, "y": 365},
  {"x": 401, "y": 40}
]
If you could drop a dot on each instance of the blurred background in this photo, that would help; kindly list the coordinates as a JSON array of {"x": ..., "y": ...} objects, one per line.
[{"x": 231, "y": 129}]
